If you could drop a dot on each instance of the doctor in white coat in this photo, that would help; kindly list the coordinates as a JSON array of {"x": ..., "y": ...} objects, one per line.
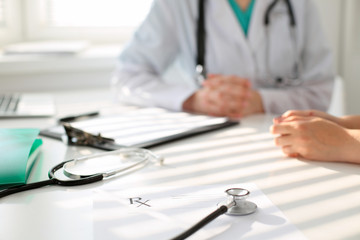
[{"x": 268, "y": 69}]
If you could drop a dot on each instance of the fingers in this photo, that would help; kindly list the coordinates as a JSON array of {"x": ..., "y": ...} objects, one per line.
[
  {"x": 304, "y": 113},
  {"x": 283, "y": 128},
  {"x": 207, "y": 102},
  {"x": 290, "y": 152},
  {"x": 216, "y": 80},
  {"x": 283, "y": 140},
  {"x": 222, "y": 107},
  {"x": 226, "y": 95},
  {"x": 296, "y": 120},
  {"x": 310, "y": 113},
  {"x": 286, "y": 142},
  {"x": 296, "y": 115}
]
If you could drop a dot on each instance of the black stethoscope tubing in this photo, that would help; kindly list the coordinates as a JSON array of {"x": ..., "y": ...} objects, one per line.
[
  {"x": 53, "y": 181},
  {"x": 87, "y": 178},
  {"x": 218, "y": 212},
  {"x": 201, "y": 32},
  {"x": 271, "y": 7},
  {"x": 201, "y": 39}
]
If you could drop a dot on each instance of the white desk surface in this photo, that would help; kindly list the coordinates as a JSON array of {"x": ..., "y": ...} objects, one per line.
[{"x": 320, "y": 199}]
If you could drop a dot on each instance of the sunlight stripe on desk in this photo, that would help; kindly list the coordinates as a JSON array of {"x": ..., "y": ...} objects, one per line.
[
  {"x": 324, "y": 220},
  {"x": 235, "y": 149},
  {"x": 218, "y": 162},
  {"x": 216, "y": 175},
  {"x": 196, "y": 144}
]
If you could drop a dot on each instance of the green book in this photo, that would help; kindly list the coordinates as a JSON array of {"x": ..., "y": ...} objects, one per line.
[{"x": 19, "y": 147}]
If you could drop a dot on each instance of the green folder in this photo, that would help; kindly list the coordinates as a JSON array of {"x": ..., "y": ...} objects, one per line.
[{"x": 18, "y": 150}]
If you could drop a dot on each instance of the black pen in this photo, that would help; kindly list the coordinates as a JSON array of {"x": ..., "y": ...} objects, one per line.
[{"x": 78, "y": 117}]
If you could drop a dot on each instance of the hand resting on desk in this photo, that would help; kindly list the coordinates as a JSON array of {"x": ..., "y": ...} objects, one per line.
[{"x": 316, "y": 135}]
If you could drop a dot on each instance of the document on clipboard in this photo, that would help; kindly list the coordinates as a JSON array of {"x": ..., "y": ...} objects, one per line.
[{"x": 144, "y": 127}]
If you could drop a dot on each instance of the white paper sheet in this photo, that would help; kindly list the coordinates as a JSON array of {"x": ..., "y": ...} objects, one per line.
[{"x": 162, "y": 213}]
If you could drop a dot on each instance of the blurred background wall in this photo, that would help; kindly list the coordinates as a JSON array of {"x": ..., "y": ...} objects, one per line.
[{"x": 94, "y": 67}]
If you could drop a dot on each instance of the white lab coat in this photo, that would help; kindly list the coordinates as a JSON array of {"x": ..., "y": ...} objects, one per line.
[{"x": 168, "y": 35}]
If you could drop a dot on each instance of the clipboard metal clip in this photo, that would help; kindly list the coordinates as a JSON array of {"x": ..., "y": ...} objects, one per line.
[{"x": 79, "y": 137}]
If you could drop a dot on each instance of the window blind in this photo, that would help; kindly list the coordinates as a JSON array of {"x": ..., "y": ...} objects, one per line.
[{"x": 96, "y": 13}]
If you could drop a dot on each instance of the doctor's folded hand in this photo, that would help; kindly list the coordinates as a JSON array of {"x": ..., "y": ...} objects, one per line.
[
  {"x": 229, "y": 96},
  {"x": 268, "y": 56},
  {"x": 316, "y": 135}
]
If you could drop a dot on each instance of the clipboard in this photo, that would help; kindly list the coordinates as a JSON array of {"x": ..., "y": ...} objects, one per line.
[{"x": 144, "y": 127}]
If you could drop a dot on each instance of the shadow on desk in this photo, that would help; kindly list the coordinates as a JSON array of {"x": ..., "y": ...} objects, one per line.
[
  {"x": 348, "y": 168},
  {"x": 240, "y": 227}
]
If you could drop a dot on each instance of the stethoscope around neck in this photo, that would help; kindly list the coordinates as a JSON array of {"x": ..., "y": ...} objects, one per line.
[{"x": 291, "y": 79}]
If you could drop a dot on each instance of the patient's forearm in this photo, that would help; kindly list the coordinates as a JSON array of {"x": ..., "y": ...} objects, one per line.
[
  {"x": 354, "y": 153},
  {"x": 351, "y": 122}
]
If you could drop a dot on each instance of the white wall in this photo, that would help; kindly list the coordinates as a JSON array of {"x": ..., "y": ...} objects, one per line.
[
  {"x": 341, "y": 22},
  {"x": 351, "y": 55},
  {"x": 89, "y": 69},
  {"x": 330, "y": 12}
]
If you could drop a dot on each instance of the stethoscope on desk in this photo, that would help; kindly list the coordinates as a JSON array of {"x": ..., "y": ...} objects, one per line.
[
  {"x": 93, "y": 168},
  {"x": 291, "y": 79},
  {"x": 236, "y": 204}
]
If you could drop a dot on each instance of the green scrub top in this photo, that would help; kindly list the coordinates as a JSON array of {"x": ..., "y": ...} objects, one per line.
[{"x": 243, "y": 16}]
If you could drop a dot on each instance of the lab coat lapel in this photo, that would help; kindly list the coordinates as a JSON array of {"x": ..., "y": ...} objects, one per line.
[
  {"x": 227, "y": 19},
  {"x": 228, "y": 22}
]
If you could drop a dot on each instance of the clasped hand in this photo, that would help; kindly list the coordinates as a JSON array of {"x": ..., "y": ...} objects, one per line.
[{"x": 228, "y": 96}]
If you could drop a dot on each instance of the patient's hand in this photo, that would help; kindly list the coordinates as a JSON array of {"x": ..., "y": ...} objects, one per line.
[
  {"x": 307, "y": 113},
  {"x": 317, "y": 138},
  {"x": 352, "y": 122}
]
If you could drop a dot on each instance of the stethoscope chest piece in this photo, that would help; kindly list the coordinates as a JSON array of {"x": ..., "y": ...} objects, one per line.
[{"x": 240, "y": 205}]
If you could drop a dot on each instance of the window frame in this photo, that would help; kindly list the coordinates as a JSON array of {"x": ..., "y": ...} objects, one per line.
[
  {"x": 3, "y": 13},
  {"x": 12, "y": 30},
  {"x": 36, "y": 30}
]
